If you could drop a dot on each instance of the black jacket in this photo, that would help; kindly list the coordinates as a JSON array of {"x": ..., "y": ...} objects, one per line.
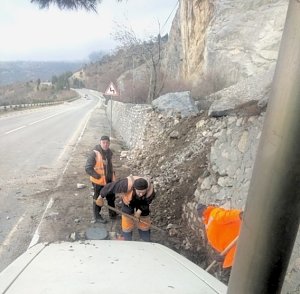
[
  {"x": 121, "y": 186},
  {"x": 91, "y": 162}
]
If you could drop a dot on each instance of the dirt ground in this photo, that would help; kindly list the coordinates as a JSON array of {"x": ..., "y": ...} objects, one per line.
[{"x": 70, "y": 217}]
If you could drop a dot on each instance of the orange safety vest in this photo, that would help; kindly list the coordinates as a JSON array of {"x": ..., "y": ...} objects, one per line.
[
  {"x": 99, "y": 169},
  {"x": 127, "y": 223},
  {"x": 222, "y": 227},
  {"x": 128, "y": 195}
]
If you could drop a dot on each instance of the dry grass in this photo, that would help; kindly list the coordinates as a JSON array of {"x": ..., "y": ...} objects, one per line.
[{"x": 27, "y": 93}]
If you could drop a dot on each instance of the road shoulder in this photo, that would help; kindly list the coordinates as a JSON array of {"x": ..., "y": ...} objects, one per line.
[{"x": 70, "y": 215}]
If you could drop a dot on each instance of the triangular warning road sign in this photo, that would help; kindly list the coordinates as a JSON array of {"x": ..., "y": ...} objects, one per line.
[{"x": 111, "y": 90}]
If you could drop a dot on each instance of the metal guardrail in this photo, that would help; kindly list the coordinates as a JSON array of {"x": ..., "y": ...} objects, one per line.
[{"x": 28, "y": 105}]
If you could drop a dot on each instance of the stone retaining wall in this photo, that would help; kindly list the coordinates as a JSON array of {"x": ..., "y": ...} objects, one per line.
[{"x": 129, "y": 120}]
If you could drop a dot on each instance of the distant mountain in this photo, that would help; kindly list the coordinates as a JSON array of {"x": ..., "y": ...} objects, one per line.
[{"x": 23, "y": 71}]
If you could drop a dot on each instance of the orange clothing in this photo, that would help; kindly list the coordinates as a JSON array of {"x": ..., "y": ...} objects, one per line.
[
  {"x": 222, "y": 227},
  {"x": 128, "y": 223},
  {"x": 99, "y": 169}
]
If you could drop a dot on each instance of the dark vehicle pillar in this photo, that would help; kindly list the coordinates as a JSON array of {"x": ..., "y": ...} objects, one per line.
[{"x": 271, "y": 218}]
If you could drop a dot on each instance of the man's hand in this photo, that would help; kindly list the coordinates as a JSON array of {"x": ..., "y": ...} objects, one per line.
[
  {"x": 138, "y": 213},
  {"x": 99, "y": 201}
]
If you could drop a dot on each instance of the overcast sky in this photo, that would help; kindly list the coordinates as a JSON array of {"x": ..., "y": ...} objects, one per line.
[{"x": 28, "y": 33}]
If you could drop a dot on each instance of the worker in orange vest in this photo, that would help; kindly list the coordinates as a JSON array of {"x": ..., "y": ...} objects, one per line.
[
  {"x": 137, "y": 194},
  {"x": 99, "y": 167},
  {"x": 222, "y": 227}
]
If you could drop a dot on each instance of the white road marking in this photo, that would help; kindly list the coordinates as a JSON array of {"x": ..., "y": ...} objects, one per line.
[
  {"x": 14, "y": 130},
  {"x": 77, "y": 142},
  {"x": 46, "y": 118},
  {"x": 36, "y": 235},
  {"x": 6, "y": 242},
  {"x": 30, "y": 124}
]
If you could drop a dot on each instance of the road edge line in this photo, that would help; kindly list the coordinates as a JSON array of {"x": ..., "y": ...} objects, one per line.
[{"x": 36, "y": 235}]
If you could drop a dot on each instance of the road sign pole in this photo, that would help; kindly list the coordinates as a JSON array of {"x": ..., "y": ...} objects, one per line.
[
  {"x": 111, "y": 116},
  {"x": 111, "y": 91}
]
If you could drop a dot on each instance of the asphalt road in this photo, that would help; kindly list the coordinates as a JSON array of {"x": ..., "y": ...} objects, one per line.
[{"x": 35, "y": 146}]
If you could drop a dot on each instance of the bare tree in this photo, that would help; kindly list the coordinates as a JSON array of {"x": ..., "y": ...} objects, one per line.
[
  {"x": 150, "y": 51},
  {"x": 89, "y": 5}
]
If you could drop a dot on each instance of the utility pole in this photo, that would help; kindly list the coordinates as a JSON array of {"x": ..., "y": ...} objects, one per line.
[{"x": 271, "y": 218}]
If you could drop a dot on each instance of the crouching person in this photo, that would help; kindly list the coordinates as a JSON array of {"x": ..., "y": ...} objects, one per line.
[{"x": 137, "y": 194}]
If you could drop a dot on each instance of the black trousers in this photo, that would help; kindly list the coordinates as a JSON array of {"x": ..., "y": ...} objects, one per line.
[{"x": 110, "y": 201}]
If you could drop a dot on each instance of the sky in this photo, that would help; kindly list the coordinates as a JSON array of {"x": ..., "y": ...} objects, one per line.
[{"x": 31, "y": 34}]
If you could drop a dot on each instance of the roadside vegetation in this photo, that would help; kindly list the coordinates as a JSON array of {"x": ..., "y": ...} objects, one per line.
[
  {"x": 15, "y": 96},
  {"x": 137, "y": 68}
]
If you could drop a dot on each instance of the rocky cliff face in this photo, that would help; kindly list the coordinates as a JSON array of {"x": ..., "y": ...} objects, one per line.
[
  {"x": 186, "y": 45},
  {"x": 225, "y": 40}
]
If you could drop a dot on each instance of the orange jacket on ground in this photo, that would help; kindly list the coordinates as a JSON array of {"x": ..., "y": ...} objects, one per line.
[{"x": 222, "y": 227}]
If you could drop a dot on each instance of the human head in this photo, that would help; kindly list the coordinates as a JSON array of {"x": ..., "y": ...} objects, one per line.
[
  {"x": 200, "y": 209},
  {"x": 104, "y": 142},
  {"x": 140, "y": 185}
]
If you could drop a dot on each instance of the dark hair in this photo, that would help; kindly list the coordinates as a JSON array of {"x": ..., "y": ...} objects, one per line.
[
  {"x": 104, "y": 138},
  {"x": 140, "y": 184}
]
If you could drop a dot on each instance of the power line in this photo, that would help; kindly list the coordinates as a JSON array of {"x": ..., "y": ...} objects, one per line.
[{"x": 169, "y": 15}]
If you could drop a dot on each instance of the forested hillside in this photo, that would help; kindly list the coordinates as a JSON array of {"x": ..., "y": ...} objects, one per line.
[{"x": 25, "y": 71}]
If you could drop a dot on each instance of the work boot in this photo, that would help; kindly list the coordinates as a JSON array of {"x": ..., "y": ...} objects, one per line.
[{"x": 100, "y": 219}]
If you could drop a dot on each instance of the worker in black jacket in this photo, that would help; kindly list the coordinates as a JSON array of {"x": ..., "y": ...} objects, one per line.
[
  {"x": 136, "y": 193},
  {"x": 99, "y": 167}
]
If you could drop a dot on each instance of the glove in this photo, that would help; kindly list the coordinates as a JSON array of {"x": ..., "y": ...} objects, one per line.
[
  {"x": 99, "y": 201},
  {"x": 138, "y": 213}
]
